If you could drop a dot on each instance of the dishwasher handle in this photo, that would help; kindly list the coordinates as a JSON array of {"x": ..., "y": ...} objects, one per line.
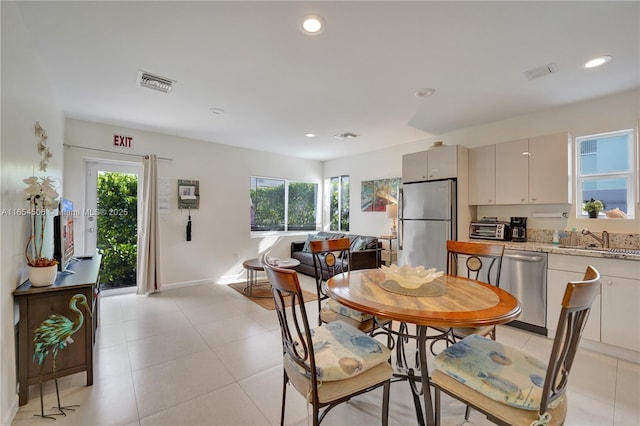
[{"x": 524, "y": 258}]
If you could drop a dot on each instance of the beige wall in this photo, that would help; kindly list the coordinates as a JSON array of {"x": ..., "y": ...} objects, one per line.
[
  {"x": 26, "y": 99},
  {"x": 221, "y": 239}
]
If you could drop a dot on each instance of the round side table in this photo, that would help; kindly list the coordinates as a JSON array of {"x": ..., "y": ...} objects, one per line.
[{"x": 253, "y": 266}]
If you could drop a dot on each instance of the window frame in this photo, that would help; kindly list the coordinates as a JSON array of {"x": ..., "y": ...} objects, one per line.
[
  {"x": 286, "y": 231},
  {"x": 631, "y": 175},
  {"x": 330, "y": 192}
]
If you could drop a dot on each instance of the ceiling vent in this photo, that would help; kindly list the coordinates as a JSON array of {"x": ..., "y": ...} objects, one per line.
[
  {"x": 346, "y": 135},
  {"x": 155, "y": 82},
  {"x": 538, "y": 72}
]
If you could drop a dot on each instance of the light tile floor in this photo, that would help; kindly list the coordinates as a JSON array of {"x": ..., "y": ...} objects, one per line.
[{"x": 205, "y": 355}]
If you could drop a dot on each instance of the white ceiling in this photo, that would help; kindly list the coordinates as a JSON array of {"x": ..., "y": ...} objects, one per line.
[{"x": 275, "y": 84}]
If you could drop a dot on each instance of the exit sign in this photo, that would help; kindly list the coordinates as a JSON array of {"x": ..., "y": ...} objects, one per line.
[{"x": 123, "y": 141}]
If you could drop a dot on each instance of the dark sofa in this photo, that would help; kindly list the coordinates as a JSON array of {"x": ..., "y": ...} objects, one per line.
[{"x": 365, "y": 252}]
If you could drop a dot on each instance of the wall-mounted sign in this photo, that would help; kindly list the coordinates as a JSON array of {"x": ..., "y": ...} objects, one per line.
[
  {"x": 188, "y": 194},
  {"x": 122, "y": 141}
]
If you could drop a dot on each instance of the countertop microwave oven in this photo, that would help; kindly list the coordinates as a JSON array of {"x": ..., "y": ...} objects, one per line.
[{"x": 489, "y": 230}]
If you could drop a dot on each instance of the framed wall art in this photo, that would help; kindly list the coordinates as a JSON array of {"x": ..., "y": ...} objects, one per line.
[{"x": 376, "y": 194}]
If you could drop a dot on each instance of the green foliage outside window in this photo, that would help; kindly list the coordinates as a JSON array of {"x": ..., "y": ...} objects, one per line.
[
  {"x": 302, "y": 203},
  {"x": 339, "y": 204},
  {"x": 268, "y": 205},
  {"x": 117, "y": 224}
]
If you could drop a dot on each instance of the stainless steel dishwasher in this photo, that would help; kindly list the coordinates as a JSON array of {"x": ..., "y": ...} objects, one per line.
[{"x": 524, "y": 275}]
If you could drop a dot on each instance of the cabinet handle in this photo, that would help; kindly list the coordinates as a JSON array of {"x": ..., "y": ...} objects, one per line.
[
  {"x": 534, "y": 199},
  {"x": 522, "y": 200},
  {"x": 490, "y": 200},
  {"x": 609, "y": 282}
]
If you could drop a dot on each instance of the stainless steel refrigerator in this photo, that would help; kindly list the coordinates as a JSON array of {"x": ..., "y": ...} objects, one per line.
[{"x": 427, "y": 219}]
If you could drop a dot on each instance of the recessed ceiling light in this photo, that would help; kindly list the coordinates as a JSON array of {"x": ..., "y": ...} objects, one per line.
[
  {"x": 596, "y": 62},
  {"x": 312, "y": 24},
  {"x": 310, "y": 135},
  {"x": 422, "y": 93}
]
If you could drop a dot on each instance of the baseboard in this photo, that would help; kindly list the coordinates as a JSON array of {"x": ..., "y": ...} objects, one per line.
[
  {"x": 11, "y": 413},
  {"x": 185, "y": 284}
]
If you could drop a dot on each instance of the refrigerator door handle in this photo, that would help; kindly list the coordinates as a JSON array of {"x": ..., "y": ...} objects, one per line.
[{"x": 401, "y": 216}]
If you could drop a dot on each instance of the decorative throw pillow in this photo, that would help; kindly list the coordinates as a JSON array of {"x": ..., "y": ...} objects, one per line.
[
  {"x": 342, "y": 351},
  {"x": 312, "y": 237},
  {"x": 358, "y": 244},
  {"x": 497, "y": 371}
]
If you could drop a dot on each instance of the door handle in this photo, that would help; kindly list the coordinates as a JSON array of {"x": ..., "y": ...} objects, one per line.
[{"x": 524, "y": 258}]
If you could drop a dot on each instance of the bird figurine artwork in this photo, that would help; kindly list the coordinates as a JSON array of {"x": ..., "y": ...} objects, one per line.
[{"x": 52, "y": 335}]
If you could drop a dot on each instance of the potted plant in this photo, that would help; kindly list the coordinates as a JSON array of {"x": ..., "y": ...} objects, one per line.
[
  {"x": 593, "y": 207},
  {"x": 42, "y": 197}
]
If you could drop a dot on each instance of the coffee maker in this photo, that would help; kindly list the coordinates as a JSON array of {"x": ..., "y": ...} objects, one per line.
[{"x": 519, "y": 229}]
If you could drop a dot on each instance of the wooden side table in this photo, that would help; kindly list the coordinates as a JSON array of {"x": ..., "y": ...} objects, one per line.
[
  {"x": 390, "y": 239},
  {"x": 37, "y": 303}
]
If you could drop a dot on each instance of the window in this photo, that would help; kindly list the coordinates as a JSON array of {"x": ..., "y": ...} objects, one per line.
[
  {"x": 282, "y": 205},
  {"x": 339, "y": 203},
  {"x": 605, "y": 171}
]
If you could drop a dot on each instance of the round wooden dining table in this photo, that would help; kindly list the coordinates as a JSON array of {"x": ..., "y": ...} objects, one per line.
[{"x": 448, "y": 301}]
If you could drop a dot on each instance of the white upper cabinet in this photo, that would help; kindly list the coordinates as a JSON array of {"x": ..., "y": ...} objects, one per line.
[
  {"x": 482, "y": 175},
  {"x": 433, "y": 164},
  {"x": 526, "y": 171},
  {"x": 415, "y": 167},
  {"x": 550, "y": 169},
  {"x": 512, "y": 172}
]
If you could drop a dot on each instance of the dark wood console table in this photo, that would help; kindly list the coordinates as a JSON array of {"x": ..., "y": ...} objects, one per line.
[{"x": 37, "y": 303}]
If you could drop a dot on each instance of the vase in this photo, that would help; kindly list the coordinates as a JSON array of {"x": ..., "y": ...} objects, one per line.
[
  {"x": 42, "y": 276},
  {"x": 593, "y": 215}
]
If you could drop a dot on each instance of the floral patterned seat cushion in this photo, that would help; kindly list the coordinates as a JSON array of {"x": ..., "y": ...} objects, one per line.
[
  {"x": 342, "y": 351},
  {"x": 334, "y": 306},
  {"x": 497, "y": 371}
]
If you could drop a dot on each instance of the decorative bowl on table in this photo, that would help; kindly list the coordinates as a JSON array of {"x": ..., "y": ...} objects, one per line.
[{"x": 409, "y": 277}]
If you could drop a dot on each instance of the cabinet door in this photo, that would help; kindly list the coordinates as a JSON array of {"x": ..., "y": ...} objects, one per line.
[
  {"x": 482, "y": 175},
  {"x": 549, "y": 169},
  {"x": 620, "y": 320},
  {"x": 556, "y": 285},
  {"x": 415, "y": 167},
  {"x": 512, "y": 172},
  {"x": 443, "y": 162}
]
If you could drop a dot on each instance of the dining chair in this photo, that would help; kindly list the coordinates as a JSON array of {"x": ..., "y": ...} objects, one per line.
[
  {"x": 509, "y": 386},
  {"x": 328, "y": 364},
  {"x": 483, "y": 263},
  {"x": 331, "y": 257}
]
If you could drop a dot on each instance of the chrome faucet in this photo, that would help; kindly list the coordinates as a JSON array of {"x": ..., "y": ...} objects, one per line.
[{"x": 604, "y": 241}]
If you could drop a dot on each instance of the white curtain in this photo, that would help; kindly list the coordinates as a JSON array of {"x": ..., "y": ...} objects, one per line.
[{"x": 149, "y": 230}]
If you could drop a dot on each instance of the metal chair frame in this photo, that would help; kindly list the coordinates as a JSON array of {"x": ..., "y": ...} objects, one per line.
[
  {"x": 576, "y": 305},
  {"x": 482, "y": 258},
  {"x": 329, "y": 259},
  {"x": 297, "y": 343}
]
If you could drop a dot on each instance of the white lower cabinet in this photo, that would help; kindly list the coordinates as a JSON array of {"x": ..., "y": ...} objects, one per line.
[
  {"x": 614, "y": 315},
  {"x": 556, "y": 284}
]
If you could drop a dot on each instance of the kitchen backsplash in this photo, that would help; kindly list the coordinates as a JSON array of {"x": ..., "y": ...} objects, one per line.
[{"x": 628, "y": 241}]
